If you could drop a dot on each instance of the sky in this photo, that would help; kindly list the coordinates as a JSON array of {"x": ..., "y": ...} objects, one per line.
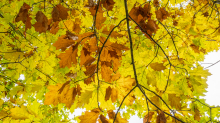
[{"x": 213, "y": 82}]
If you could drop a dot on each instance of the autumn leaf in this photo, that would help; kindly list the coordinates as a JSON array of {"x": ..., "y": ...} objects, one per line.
[
  {"x": 161, "y": 14},
  {"x": 108, "y": 4},
  {"x": 42, "y": 22},
  {"x": 175, "y": 101},
  {"x": 119, "y": 119},
  {"x": 90, "y": 117},
  {"x": 65, "y": 41},
  {"x": 59, "y": 12},
  {"x": 148, "y": 117},
  {"x": 161, "y": 118},
  {"x": 74, "y": 65},
  {"x": 24, "y": 16},
  {"x": 108, "y": 93},
  {"x": 69, "y": 57},
  {"x": 19, "y": 113},
  {"x": 103, "y": 119},
  {"x": 157, "y": 66}
]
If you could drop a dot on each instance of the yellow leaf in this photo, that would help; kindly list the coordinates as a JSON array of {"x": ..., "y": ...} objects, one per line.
[{"x": 19, "y": 113}]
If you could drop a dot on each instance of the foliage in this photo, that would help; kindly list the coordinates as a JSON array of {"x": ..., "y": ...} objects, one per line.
[{"x": 104, "y": 56}]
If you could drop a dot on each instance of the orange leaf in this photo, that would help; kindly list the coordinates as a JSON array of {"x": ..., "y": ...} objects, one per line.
[
  {"x": 90, "y": 117},
  {"x": 61, "y": 93},
  {"x": 103, "y": 119},
  {"x": 114, "y": 34},
  {"x": 68, "y": 57},
  {"x": 100, "y": 20},
  {"x": 85, "y": 58},
  {"x": 114, "y": 94},
  {"x": 157, "y": 66},
  {"x": 65, "y": 41},
  {"x": 148, "y": 117},
  {"x": 55, "y": 27},
  {"x": 76, "y": 28},
  {"x": 106, "y": 71},
  {"x": 119, "y": 119}
]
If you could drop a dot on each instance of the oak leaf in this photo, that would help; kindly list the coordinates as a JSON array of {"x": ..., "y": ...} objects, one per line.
[
  {"x": 68, "y": 57},
  {"x": 23, "y": 13},
  {"x": 65, "y": 41},
  {"x": 119, "y": 119},
  {"x": 108, "y": 93},
  {"x": 42, "y": 22},
  {"x": 161, "y": 118},
  {"x": 103, "y": 119},
  {"x": 157, "y": 66},
  {"x": 108, "y": 4},
  {"x": 148, "y": 117},
  {"x": 175, "y": 101},
  {"x": 24, "y": 16},
  {"x": 90, "y": 117},
  {"x": 161, "y": 14},
  {"x": 59, "y": 12},
  {"x": 19, "y": 113},
  {"x": 197, "y": 115}
]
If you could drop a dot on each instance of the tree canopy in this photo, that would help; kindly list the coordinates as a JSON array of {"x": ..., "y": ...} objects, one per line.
[{"x": 104, "y": 56}]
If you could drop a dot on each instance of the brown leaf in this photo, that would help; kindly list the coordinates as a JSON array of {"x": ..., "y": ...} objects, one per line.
[
  {"x": 55, "y": 14},
  {"x": 93, "y": 9},
  {"x": 161, "y": 14},
  {"x": 90, "y": 69},
  {"x": 103, "y": 119},
  {"x": 23, "y": 13},
  {"x": 140, "y": 14},
  {"x": 148, "y": 117},
  {"x": 108, "y": 93},
  {"x": 24, "y": 16},
  {"x": 161, "y": 118},
  {"x": 175, "y": 23},
  {"x": 156, "y": 3},
  {"x": 195, "y": 48},
  {"x": 59, "y": 12},
  {"x": 42, "y": 23},
  {"x": 108, "y": 4},
  {"x": 157, "y": 66}
]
